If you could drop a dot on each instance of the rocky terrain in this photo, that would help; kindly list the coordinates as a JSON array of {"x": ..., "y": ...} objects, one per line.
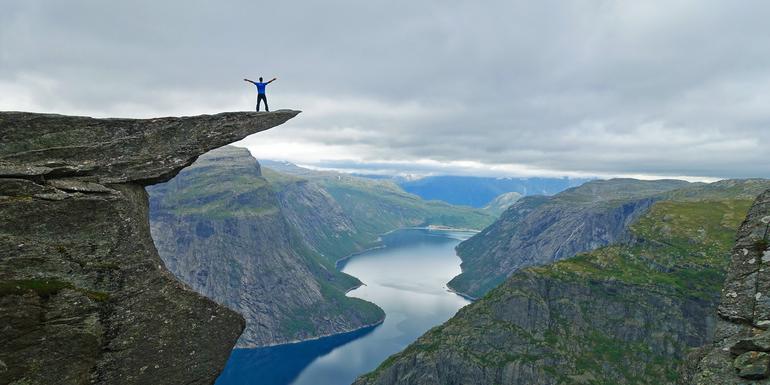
[
  {"x": 740, "y": 353},
  {"x": 538, "y": 230},
  {"x": 84, "y": 296},
  {"x": 253, "y": 245},
  {"x": 627, "y": 313}
]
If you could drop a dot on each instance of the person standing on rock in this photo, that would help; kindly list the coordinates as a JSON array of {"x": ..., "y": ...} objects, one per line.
[{"x": 261, "y": 91}]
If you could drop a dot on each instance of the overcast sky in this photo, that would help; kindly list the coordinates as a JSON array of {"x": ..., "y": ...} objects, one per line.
[{"x": 496, "y": 87}]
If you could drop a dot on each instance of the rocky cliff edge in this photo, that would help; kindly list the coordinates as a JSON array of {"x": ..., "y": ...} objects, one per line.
[
  {"x": 84, "y": 297},
  {"x": 741, "y": 350}
]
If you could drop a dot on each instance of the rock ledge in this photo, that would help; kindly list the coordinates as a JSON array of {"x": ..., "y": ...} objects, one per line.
[{"x": 84, "y": 296}]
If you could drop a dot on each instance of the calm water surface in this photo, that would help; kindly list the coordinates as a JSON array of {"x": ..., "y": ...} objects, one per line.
[{"x": 407, "y": 279}]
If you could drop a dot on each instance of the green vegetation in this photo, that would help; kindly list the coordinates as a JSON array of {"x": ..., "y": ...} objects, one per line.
[
  {"x": 622, "y": 314},
  {"x": 680, "y": 248},
  {"x": 372, "y": 207},
  {"x": 219, "y": 193},
  {"x": 46, "y": 288},
  {"x": 380, "y": 206}
]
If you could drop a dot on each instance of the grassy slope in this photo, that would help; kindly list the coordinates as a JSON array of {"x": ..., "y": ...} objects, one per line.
[{"x": 378, "y": 206}]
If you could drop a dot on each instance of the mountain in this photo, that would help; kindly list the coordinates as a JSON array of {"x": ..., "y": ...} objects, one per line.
[
  {"x": 480, "y": 191},
  {"x": 84, "y": 296},
  {"x": 502, "y": 202},
  {"x": 537, "y": 230},
  {"x": 378, "y": 206},
  {"x": 220, "y": 227},
  {"x": 236, "y": 232},
  {"x": 626, "y": 313}
]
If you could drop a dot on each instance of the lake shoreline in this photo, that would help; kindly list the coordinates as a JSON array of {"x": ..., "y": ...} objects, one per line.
[
  {"x": 354, "y": 287},
  {"x": 381, "y": 246},
  {"x": 407, "y": 280},
  {"x": 299, "y": 341}
]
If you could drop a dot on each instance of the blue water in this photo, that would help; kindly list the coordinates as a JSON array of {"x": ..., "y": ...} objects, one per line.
[{"x": 407, "y": 279}]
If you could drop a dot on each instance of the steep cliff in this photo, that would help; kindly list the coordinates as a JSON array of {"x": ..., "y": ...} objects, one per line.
[
  {"x": 622, "y": 314},
  {"x": 538, "y": 230},
  {"x": 235, "y": 231},
  {"x": 740, "y": 352},
  {"x": 84, "y": 296},
  {"x": 251, "y": 245},
  {"x": 318, "y": 217}
]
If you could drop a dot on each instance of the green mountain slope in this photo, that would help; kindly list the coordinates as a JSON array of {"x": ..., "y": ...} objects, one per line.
[
  {"x": 219, "y": 226},
  {"x": 622, "y": 314},
  {"x": 378, "y": 206},
  {"x": 537, "y": 230},
  {"x": 265, "y": 244}
]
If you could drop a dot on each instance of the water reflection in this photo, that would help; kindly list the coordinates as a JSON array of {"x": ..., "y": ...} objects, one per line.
[
  {"x": 407, "y": 279},
  {"x": 271, "y": 366}
]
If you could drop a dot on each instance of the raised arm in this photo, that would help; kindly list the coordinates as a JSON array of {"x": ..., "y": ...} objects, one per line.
[
  {"x": 250, "y": 81},
  {"x": 272, "y": 80}
]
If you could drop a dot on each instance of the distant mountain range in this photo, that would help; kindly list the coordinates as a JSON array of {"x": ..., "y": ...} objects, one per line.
[
  {"x": 481, "y": 191},
  {"x": 471, "y": 191}
]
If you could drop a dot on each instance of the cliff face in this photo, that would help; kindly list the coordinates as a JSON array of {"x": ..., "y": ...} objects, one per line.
[
  {"x": 84, "y": 296},
  {"x": 539, "y": 230},
  {"x": 318, "y": 217},
  {"x": 235, "y": 232},
  {"x": 226, "y": 231},
  {"x": 622, "y": 314},
  {"x": 739, "y": 354}
]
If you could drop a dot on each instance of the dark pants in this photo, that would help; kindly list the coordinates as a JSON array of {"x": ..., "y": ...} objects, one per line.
[{"x": 262, "y": 97}]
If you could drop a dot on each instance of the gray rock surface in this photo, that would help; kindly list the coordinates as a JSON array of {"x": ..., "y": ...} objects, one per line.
[
  {"x": 744, "y": 310},
  {"x": 84, "y": 296},
  {"x": 142, "y": 151}
]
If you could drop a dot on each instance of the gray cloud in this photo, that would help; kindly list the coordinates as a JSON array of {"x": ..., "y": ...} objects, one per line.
[{"x": 667, "y": 88}]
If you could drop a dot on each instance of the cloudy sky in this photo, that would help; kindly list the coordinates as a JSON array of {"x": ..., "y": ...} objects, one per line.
[{"x": 499, "y": 87}]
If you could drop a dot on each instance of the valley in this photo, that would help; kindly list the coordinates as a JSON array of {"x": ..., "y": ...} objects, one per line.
[
  {"x": 622, "y": 271},
  {"x": 406, "y": 279},
  {"x": 236, "y": 232},
  {"x": 626, "y": 313}
]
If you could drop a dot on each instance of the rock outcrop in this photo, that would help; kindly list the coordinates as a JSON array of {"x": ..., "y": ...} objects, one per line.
[
  {"x": 84, "y": 296},
  {"x": 739, "y": 354},
  {"x": 221, "y": 227}
]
